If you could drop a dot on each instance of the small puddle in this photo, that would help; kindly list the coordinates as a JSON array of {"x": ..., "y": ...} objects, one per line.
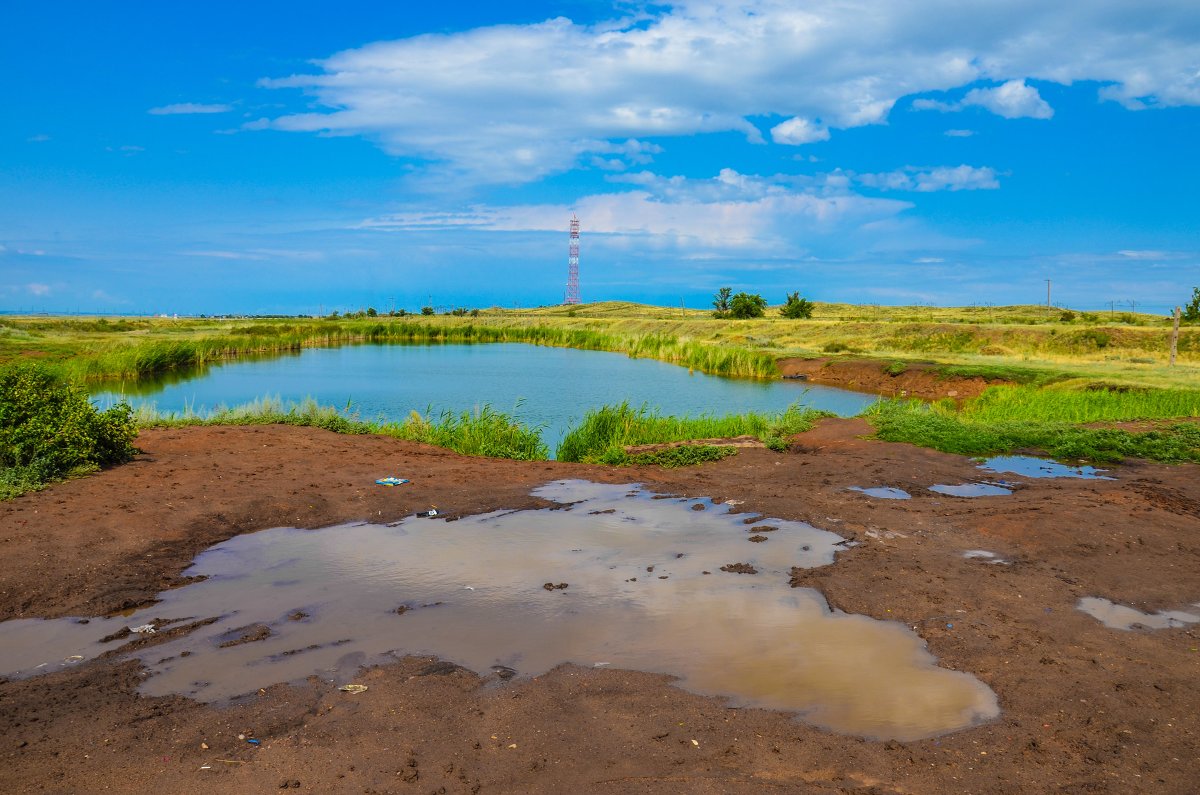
[
  {"x": 985, "y": 556},
  {"x": 611, "y": 577},
  {"x": 883, "y": 492},
  {"x": 1115, "y": 616},
  {"x": 972, "y": 490},
  {"x": 1033, "y": 467}
]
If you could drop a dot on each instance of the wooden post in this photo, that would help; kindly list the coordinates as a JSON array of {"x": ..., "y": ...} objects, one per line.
[{"x": 1174, "y": 338}]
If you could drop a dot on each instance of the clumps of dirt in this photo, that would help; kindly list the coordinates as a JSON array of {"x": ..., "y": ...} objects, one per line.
[
  {"x": 248, "y": 634},
  {"x": 402, "y": 609},
  {"x": 299, "y": 615},
  {"x": 758, "y": 539},
  {"x": 440, "y": 668},
  {"x": 739, "y": 568},
  {"x": 600, "y": 513},
  {"x": 762, "y": 528},
  {"x": 552, "y": 587},
  {"x": 698, "y": 507},
  {"x": 908, "y": 379},
  {"x": 123, "y": 632}
]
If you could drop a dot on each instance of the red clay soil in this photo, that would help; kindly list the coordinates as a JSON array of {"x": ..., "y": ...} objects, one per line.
[
  {"x": 1084, "y": 708},
  {"x": 919, "y": 379}
]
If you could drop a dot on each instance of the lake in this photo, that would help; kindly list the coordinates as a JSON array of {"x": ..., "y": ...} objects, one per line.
[{"x": 550, "y": 388}]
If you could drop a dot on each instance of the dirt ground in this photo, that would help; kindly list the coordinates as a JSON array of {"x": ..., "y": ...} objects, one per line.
[
  {"x": 918, "y": 380},
  {"x": 1084, "y": 708}
]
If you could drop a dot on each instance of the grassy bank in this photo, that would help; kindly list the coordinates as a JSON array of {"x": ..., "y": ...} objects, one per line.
[
  {"x": 483, "y": 432},
  {"x": 962, "y": 432}
]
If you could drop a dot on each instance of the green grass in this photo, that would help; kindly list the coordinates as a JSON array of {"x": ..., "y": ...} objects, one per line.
[
  {"x": 604, "y": 433},
  {"x": 1093, "y": 403},
  {"x": 941, "y": 428},
  {"x": 482, "y": 433}
]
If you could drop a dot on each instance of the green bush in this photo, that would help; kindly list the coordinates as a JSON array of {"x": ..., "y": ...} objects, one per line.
[
  {"x": 744, "y": 306},
  {"x": 797, "y": 308},
  {"x": 49, "y": 429}
]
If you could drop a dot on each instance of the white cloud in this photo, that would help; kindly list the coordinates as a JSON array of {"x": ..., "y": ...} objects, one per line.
[
  {"x": 181, "y": 108},
  {"x": 1013, "y": 100},
  {"x": 38, "y": 289},
  {"x": 927, "y": 180},
  {"x": 40, "y": 138},
  {"x": 729, "y": 211},
  {"x": 513, "y": 103},
  {"x": 959, "y": 133},
  {"x": 797, "y": 130}
]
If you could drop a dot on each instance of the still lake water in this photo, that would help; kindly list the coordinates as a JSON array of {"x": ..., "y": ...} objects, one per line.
[{"x": 550, "y": 388}]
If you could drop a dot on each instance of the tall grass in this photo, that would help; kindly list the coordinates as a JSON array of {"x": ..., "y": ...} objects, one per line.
[
  {"x": 604, "y": 433},
  {"x": 940, "y": 427},
  {"x": 483, "y": 432},
  {"x": 1097, "y": 404}
]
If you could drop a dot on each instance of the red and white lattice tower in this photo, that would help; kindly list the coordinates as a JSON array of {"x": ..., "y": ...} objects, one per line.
[{"x": 573, "y": 264}]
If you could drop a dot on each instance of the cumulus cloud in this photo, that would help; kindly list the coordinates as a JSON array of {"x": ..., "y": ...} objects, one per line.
[
  {"x": 1013, "y": 100},
  {"x": 797, "y": 130},
  {"x": 38, "y": 289},
  {"x": 183, "y": 108},
  {"x": 927, "y": 180},
  {"x": 959, "y": 133},
  {"x": 513, "y": 103}
]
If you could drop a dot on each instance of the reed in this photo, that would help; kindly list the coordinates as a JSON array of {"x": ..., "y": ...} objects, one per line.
[{"x": 1093, "y": 403}]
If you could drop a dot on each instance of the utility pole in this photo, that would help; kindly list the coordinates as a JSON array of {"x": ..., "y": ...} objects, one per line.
[
  {"x": 682, "y": 310},
  {"x": 1047, "y": 296},
  {"x": 1174, "y": 338},
  {"x": 1112, "y": 309}
]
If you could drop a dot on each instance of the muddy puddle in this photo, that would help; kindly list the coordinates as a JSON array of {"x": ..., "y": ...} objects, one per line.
[
  {"x": 1033, "y": 467},
  {"x": 882, "y": 492},
  {"x": 972, "y": 490},
  {"x": 1118, "y": 616},
  {"x": 612, "y": 576}
]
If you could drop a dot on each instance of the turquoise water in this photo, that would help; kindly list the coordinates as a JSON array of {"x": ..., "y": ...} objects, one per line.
[{"x": 550, "y": 388}]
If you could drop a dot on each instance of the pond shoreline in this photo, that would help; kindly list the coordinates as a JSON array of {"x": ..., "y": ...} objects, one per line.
[{"x": 1077, "y": 698}]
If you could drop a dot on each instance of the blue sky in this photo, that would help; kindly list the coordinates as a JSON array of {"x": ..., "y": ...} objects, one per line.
[{"x": 296, "y": 157}]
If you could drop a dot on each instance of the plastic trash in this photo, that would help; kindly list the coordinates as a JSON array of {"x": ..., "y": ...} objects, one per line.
[
  {"x": 352, "y": 688},
  {"x": 430, "y": 512},
  {"x": 392, "y": 481},
  {"x": 144, "y": 629}
]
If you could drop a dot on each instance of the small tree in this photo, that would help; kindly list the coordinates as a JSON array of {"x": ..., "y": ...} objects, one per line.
[
  {"x": 427, "y": 310},
  {"x": 1191, "y": 312},
  {"x": 744, "y": 306},
  {"x": 371, "y": 312},
  {"x": 721, "y": 302},
  {"x": 797, "y": 308}
]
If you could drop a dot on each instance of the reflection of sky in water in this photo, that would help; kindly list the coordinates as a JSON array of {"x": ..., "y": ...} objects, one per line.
[
  {"x": 645, "y": 592},
  {"x": 1033, "y": 467},
  {"x": 554, "y": 386}
]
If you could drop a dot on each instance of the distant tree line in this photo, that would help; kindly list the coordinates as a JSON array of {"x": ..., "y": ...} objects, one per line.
[{"x": 744, "y": 306}]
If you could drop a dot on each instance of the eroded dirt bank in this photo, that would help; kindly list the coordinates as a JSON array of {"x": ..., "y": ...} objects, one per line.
[
  {"x": 1085, "y": 708},
  {"x": 914, "y": 379}
]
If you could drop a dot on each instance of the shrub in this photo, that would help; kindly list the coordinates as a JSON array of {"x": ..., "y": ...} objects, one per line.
[
  {"x": 797, "y": 308},
  {"x": 1066, "y": 316},
  {"x": 1191, "y": 312},
  {"x": 49, "y": 428}
]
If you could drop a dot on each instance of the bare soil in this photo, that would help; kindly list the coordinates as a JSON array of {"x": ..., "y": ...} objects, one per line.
[
  {"x": 1084, "y": 708},
  {"x": 918, "y": 380}
]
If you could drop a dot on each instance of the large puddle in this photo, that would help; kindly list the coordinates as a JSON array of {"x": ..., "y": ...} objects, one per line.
[
  {"x": 1118, "y": 616},
  {"x": 612, "y": 576}
]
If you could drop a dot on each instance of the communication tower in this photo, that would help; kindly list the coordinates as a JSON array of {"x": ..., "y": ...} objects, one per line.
[{"x": 573, "y": 264}]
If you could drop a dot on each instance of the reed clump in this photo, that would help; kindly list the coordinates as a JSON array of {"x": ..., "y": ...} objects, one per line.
[{"x": 604, "y": 433}]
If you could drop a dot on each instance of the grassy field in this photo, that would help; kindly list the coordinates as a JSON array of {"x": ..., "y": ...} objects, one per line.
[
  {"x": 1024, "y": 343},
  {"x": 1065, "y": 370}
]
